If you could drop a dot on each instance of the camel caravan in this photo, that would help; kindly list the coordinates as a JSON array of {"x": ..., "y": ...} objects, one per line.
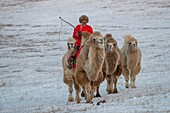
[
  {"x": 100, "y": 59},
  {"x": 92, "y": 58}
]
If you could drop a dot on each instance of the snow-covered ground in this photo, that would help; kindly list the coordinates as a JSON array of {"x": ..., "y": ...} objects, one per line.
[{"x": 33, "y": 41}]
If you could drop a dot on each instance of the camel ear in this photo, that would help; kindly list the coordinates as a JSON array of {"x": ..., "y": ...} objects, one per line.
[
  {"x": 127, "y": 37},
  {"x": 116, "y": 43},
  {"x": 137, "y": 43},
  {"x": 105, "y": 39},
  {"x": 68, "y": 46}
]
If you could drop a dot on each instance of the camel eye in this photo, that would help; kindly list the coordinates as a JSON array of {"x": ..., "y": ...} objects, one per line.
[
  {"x": 94, "y": 39},
  {"x": 107, "y": 46},
  {"x": 71, "y": 44},
  {"x": 101, "y": 39},
  {"x": 68, "y": 45}
]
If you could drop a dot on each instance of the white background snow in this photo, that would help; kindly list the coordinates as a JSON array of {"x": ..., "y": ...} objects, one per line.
[{"x": 33, "y": 41}]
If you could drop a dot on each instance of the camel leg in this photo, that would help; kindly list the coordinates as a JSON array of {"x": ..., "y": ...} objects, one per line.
[
  {"x": 115, "y": 84},
  {"x": 77, "y": 88},
  {"x": 132, "y": 81},
  {"x": 77, "y": 93},
  {"x": 81, "y": 80},
  {"x": 88, "y": 90},
  {"x": 127, "y": 80},
  {"x": 97, "y": 92},
  {"x": 134, "y": 85},
  {"x": 69, "y": 82},
  {"x": 70, "y": 88},
  {"x": 93, "y": 89},
  {"x": 109, "y": 88}
]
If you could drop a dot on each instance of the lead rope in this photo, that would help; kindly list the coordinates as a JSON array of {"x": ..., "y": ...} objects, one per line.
[{"x": 60, "y": 30}]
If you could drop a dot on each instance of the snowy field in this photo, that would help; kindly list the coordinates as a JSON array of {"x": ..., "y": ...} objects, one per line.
[{"x": 33, "y": 41}]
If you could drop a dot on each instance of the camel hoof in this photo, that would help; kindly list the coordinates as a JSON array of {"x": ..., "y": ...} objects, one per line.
[
  {"x": 90, "y": 102},
  {"x": 110, "y": 92},
  {"x": 115, "y": 91},
  {"x": 78, "y": 100},
  {"x": 71, "y": 99},
  {"x": 133, "y": 86},
  {"x": 126, "y": 86}
]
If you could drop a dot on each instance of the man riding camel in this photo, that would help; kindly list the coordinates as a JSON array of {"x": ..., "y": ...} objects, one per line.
[{"x": 82, "y": 27}]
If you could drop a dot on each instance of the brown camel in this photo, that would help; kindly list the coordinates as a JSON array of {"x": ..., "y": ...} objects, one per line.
[
  {"x": 113, "y": 63},
  {"x": 89, "y": 65}
]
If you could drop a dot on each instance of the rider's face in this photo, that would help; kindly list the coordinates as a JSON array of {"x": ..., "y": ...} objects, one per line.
[{"x": 84, "y": 22}]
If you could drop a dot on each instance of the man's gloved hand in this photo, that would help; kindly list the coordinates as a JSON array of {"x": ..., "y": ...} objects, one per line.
[{"x": 79, "y": 33}]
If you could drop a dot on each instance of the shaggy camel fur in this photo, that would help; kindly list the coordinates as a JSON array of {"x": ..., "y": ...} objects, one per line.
[
  {"x": 68, "y": 77},
  {"x": 113, "y": 63},
  {"x": 131, "y": 60},
  {"x": 89, "y": 65}
]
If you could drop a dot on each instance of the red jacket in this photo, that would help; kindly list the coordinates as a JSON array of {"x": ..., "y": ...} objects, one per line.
[{"x": 82, "y": 28}]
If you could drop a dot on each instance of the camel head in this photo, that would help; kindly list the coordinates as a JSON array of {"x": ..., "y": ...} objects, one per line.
[
  {"x": 97, "y": 40},
  {"x": 85, "y": 36},
  {"x": 131, "y": 43},
  {"x": 110, "y": 43},
  {"x": 70, "y": 43}
]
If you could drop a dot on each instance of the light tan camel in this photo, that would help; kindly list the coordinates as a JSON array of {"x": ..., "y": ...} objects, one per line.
[
  {"x": 68, "y": 74},
  {"x": 131, "y": 60},
  {"x": 89, "y": 65},
  {"x": 113, "y": 63}
]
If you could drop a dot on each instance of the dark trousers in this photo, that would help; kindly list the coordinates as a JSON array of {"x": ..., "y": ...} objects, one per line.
[
  {"x": 76, "y": 48},
  {"x": 72, "y": 59}
]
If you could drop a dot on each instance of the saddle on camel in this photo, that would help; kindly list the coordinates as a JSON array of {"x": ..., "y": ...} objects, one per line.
[{"x": 77, "y": 34}]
